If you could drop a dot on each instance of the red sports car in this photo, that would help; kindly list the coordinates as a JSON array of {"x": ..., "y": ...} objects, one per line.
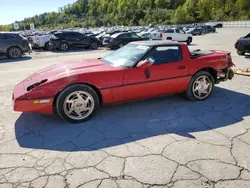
[{"x": 136, "y": 71}]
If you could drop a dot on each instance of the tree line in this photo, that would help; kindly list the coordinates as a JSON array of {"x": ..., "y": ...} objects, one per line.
[{"x": 96, "y": 13}]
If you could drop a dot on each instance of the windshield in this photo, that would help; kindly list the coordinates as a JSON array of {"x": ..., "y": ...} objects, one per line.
[
  {"x": 126, "y": 56},
  {"x": 248, "y": 36}
]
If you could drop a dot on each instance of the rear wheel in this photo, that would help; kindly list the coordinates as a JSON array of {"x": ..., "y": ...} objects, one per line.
[
  {"x": 201, "y": 86},
  {"x": 77, "y": 103},
  {"x": 64, "y": 46},
  {"x": 14, "y": 52},
  {"x": 94, "y": 45},
  {"x": 189, "y": 40},
  {"x": 240, "y": 52},
  {"x": 169, "y": 38}
]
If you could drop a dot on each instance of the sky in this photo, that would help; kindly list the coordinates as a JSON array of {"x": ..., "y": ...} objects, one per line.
[{"x": 17, "y": 10}]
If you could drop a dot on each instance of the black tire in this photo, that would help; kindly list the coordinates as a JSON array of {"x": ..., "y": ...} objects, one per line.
[
  {"x": 189, "y": 40},
  {"x": 240, "y": 52},
  {"x": 169, "y": 38},
  {"x": 121, "y": 45},
  {"x": 94, "y": 45},
  {"x": 69, "y": 90},
  {"x": 14, "y": 52},
  {"x": 190, "y": 94},
  {"x": 46, "y": 46},
  {"x": 64, "y": 46}
]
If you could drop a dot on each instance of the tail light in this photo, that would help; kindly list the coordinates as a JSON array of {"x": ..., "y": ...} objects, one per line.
[{"x": 161, "y": 35}]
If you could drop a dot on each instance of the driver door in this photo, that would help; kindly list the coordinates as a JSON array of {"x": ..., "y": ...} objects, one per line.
[{"x": 167, "y": 74}]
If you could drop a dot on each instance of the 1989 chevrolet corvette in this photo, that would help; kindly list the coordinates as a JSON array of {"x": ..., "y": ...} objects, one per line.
[{"x": 136, "y": 71}]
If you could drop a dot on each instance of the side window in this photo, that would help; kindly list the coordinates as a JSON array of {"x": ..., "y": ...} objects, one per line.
[
  {"x": 125, "y": 36},
  {"x": 248, "y": 36},
  {"x": 74, "y": 34},
  {"x": 66, "y": 34},
  {"x": 169, "y": 31},
  {"x": 134, "y": 36},
  {"x": 2, "y": 37},
  {"x": 165, "y": 54},
  {"x": 182, "y": 32},
  {"x": 177, "y": 31}
]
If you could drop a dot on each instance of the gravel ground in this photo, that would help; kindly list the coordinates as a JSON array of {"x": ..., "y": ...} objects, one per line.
[{"x": 158, "y": 143}]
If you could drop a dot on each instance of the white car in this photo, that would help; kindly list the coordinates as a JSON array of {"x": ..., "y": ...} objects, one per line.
[
  {"x": 155, "y": 35},
  {"x": 41, "y": 41},
  {"x": 177, "y": 35}
]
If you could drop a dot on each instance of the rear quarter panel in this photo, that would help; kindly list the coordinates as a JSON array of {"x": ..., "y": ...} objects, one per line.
[{"x": 215, "y": 61}]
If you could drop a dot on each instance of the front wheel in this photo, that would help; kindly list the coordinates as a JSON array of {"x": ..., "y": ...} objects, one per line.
[
  {"x": 47, "y": 46},
  {"x": 14, "y": 52},
  {"x": 201, "y": 86},
  {"x": 77, "y": 103},
  {"x": 121, "y": 45}
]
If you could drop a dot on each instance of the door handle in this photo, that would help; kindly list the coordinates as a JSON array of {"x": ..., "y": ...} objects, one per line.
[{"x": 181, "y": 67}]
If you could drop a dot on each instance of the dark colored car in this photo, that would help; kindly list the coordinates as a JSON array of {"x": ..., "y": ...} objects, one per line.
[
  {"x": 195, "y": 31},
  {"x": 67, "y": 39},
  {"x": 14, "y": 45},
  {"x": 120, "y": 39},
  {"x": 210, "y": 29},
  {"x": 243, "y": 45},
  {"x": 108, "y": 34},
  {"x": 218, "y": 25}
]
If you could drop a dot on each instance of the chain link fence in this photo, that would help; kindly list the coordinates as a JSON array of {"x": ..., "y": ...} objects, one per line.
[{"x": 233, "y": 23}]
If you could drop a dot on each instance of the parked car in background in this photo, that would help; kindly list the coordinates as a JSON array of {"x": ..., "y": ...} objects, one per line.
[
  {"x": 41, "y": 41},
  {"x": 144, "y": 35},
  {"x": 64, "y": 40},
  {"x": 103, "y": 37},
  {"x": 210, "y": 29},
  {"x": 14, "y": 45},
  {"x": 155, "y": 35},
  {"x": 177, "y": 35},
  {"x": 243, "y": 45},
  {"x": 194, "y": 31},
  {"x": 202, "y": 29},
  {"x": 218, "y": 25},
  {"x": 118, "y": 40},
  {"x": 136, "y": 71}
]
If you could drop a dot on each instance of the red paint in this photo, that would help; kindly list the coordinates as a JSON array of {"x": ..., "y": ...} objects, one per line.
[{"x": 116, "y": 84}]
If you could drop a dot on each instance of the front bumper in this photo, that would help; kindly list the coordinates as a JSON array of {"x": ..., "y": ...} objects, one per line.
[
  {"x": 29, "y": 106},
  {"x": 21, "y": 102}
]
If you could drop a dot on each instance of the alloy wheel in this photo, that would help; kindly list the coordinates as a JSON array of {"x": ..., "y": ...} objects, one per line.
[
  {"x": 78, "y": 105},
  {"x": 202, "y": 87}
]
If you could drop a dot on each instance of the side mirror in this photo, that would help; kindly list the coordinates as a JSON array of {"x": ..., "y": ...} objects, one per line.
[{"x": 144, "y": 64}]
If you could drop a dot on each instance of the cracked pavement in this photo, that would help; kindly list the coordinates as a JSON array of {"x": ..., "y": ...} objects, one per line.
[{"x": 168, "y": 142}]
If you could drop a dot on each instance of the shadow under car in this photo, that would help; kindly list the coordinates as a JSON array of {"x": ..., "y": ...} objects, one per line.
[{"x": 121, "y": 124}]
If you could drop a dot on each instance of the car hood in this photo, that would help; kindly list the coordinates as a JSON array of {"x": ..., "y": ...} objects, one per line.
[
  {"x": 68, "y": 69},
  {"x": 242, "y": 39}
]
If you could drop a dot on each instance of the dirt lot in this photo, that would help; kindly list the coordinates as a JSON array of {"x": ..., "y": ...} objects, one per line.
[{"x": 159, "y": 143}]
